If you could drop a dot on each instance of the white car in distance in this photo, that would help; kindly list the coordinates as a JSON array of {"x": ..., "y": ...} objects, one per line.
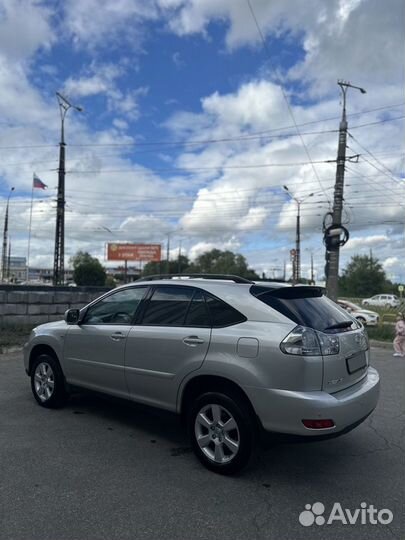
[
  {"x": 365, "y": 316},
  {"x": 382, "y": 300}
]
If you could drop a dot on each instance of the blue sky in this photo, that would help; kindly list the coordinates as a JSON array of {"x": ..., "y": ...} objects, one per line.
[{"x": 155, "y": 76}]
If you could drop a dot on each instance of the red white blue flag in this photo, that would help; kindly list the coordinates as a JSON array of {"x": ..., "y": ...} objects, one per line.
[{"x": 38, "y": 184}]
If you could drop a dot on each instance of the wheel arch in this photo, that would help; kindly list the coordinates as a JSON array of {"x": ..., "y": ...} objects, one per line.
[
  {"x": 201, "y": 384},
  {"x": 39, "y": 349}
]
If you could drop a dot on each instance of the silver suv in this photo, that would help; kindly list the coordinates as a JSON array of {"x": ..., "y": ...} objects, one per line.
[{"x": 229, "y": 355}]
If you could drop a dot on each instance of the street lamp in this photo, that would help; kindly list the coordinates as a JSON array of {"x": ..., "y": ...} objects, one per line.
[
  {"x": 59, "y": 254},
  {"x": 5, "y": 237},
  {"x": 297, "y": 265}
]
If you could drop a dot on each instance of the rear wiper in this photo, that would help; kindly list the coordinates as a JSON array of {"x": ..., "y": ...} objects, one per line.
[{"x": 343, "y": 324}]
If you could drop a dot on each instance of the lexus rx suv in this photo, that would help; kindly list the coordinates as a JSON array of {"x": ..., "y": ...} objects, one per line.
[{"x": 230, "y": 356}]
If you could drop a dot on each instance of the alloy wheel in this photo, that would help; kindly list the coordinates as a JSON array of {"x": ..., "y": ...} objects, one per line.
[
  {"x": 217, "y": 433},
  {"x": 44, "y": 381}
]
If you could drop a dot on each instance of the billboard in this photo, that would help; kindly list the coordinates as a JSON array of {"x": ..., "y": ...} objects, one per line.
[{"x": 134, "y": 252}]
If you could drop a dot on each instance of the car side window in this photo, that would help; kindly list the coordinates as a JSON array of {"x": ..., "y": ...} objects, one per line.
[
  {"x": 197, "y": 314},
  {"x": 168, "y": 306},
  {"x": 221, "y": 313},
  {"x": 117, "y": 308}
]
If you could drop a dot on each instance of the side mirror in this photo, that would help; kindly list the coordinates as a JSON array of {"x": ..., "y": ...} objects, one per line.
[{"x": 72, "y": 316}]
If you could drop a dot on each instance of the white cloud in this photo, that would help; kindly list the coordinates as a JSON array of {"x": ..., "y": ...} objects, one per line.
[
  {"x": 25, "y": 26},
  {"x": 199, "y": 248},
  {"x": 104, "y": 79},
  {"x": 340, "y": 38},
  {"x": 107, "y": 23},
  {"x": 367, "y": 241}
]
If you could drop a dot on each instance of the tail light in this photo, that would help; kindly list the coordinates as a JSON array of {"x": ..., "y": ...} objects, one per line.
[{"x": 305, "y": 341}]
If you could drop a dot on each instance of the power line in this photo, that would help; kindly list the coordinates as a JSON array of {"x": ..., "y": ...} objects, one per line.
[
  {"x": 286, "y": 100},
  {"x": 257, "y": 134}
]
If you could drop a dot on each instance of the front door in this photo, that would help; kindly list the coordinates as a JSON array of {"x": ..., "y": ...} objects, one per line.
[
  {"x": 95, "y": 350},
  {"x": 171, "y": 341}
]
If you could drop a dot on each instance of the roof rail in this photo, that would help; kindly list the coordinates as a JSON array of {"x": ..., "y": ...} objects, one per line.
[{"x": 225, "y": 277}]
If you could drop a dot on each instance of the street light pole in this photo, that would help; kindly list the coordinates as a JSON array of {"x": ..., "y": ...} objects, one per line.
[
  {"x": 5, "y": 237},
  {"x": 298, "y": 244},
  {"x": 333, "y": 235},
  {"x": 59, "y": 253},
  {"x": 297, "y": 266}
]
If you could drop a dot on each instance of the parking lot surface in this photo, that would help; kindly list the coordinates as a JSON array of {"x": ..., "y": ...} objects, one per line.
[{"x": 106, "y": 469}]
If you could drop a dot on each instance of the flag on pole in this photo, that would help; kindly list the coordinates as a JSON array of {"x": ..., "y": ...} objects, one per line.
[{"x": 38, "y": 184}]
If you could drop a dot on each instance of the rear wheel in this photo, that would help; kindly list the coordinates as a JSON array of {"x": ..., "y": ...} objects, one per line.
[
  {"x": 47, "y": 382},
  {"x": 221, "y": 431}
]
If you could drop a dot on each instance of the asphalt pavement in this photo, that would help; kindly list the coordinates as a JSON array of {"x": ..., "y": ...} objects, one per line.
[{"x": 103, "y": 469}]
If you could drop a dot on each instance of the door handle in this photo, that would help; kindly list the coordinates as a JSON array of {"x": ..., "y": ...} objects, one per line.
[
  {"x": 117, "y": 336},
  {"x": 193, "y": 341}
]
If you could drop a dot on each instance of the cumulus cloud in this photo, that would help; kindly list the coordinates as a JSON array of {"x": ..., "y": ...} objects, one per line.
[
  {"x": 25, "y": 26},
  {"x": 96, "y": 24}
]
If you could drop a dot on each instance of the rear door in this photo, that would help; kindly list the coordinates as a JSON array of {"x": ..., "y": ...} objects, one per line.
[
  {"x": 350, "y": 365},
  {"x": 170, "y": 341},
  {"x": 308, "y": 307}
]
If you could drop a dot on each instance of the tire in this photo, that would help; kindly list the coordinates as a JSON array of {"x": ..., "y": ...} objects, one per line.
[
  {"x": 47, "y": 382},
  {"x": 366, "y": 304},
  {"x": 224, "y": 451},
  {"x": 362, "y": 320}
]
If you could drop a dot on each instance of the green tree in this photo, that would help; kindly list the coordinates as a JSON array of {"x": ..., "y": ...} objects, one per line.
[
  {"x": 223, "y": 262},
  {"x": 176, "y": 266},
  {"x": 87, "y": 270},
  {"x": 363, "y": 276}
]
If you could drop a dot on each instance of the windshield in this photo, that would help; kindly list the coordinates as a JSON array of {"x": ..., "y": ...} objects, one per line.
[{"x": 307, "y": 306}]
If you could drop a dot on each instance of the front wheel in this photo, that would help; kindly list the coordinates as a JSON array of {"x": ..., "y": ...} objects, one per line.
[
  {"x": 221, "y": 431},
  {"x": 47, "y": 382}
]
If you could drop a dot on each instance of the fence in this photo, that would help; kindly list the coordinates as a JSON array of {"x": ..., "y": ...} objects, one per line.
[{"x": 32, "y": 305}]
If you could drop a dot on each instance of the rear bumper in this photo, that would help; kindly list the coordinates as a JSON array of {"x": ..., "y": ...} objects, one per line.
[{"x": 282, "y": 411}]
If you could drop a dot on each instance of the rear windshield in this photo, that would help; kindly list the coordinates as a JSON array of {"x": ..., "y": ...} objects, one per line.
[{"x": 306, "y": 306}]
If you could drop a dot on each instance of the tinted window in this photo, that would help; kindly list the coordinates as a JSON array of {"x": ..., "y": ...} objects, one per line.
[
  {"x": 221, "y": 313},
  {"x": 306, "y": 306},
  {"x": 168, "y": 306},
  {"x": 198, "y": 313},
  {"x": 117, "y": 308}
]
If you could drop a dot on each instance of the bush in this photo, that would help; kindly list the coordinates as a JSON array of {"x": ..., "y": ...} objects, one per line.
[{"x": 382, "y": 332}]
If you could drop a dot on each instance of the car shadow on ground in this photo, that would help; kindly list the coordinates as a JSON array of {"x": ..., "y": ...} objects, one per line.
[{"x": 297, "y": 454}]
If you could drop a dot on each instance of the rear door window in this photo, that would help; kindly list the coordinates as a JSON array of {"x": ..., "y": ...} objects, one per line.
[
  {"x": 306, "y": 306},
  {"x": 168, "y": 306},
  {"x": 197, "y": 314}
]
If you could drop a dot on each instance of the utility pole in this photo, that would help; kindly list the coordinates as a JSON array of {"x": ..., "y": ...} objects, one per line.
[
  {"x": 5, "y": 238},
  {"x": 333, "y": 234},
  {"x": 179, "y": 259},
  {"x": 312, "y": 269},
  {"x": 59, "y": 253},
  {"x": 9, "y": 260},
  {"x": 297, "y": 277},
  {"x": 297, "y": 258},
  {"x": 168, "y": 254}
]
